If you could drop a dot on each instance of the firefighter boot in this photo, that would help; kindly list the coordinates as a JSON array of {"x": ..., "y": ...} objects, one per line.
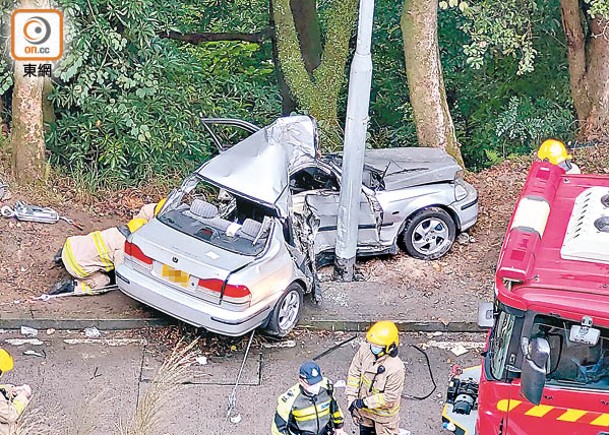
[{"x": 64, "y": 286}]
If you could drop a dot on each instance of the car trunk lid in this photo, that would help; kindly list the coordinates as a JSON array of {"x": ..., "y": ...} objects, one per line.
[{"x": 184, "y": 262}]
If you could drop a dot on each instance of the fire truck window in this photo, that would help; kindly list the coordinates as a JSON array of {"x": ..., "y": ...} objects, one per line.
[
  {"x": 573, "y": 364},
  {"x": 500, "y": 344}
]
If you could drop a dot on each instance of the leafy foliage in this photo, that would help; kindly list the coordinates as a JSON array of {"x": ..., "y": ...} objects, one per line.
[
  {"x": 128, "y": 103},
  {"x": 318, "y": 94}
]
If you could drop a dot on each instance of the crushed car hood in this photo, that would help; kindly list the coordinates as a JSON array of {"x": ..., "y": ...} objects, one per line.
[
  {"x": 412, "y": 166},
  {"x": 258, "y": 167}
]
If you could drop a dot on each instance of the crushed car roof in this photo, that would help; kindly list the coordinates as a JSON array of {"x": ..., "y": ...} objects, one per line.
[{"x": 258, "y": 167}]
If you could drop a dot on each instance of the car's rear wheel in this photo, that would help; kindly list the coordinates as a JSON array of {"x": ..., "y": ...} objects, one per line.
[
  {"x": 429, "y": 233},
  {"x": 286, "y": 313}
]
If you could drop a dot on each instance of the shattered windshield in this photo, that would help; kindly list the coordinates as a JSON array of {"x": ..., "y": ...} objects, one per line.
[
  {"x": 573, "y": 364},
  {"x": 214, "y": 216}
]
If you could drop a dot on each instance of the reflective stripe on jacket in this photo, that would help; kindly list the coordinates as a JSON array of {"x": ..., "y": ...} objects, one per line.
[
  {"x": 11, "y": 408},
  {"x": 98, "y": 251},
  {"x": 381, "y": 392},
  {"x": 299, "y": 413}
]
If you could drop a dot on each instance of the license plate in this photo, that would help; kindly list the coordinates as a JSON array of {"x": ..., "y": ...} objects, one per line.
[{"x": 175, "y": 275}]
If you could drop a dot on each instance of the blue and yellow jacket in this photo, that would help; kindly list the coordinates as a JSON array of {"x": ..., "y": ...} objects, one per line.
[{"x": 299, "y": 413}]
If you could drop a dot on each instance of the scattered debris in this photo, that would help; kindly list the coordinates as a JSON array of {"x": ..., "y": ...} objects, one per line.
[
  {"x": 340, "y": 384},
  {"x": 201, "y": 360},
  {"x": 50, "y": 331},
  {"x": 22, "y": 341},
  {"x": 459, "y": 350},
  {"x": 280, "y": 344},
  {"x": 34, "y": 353},
  {"x": 236, "y": 419},
  {"x": 404, "y": 432},
  {"x": 92, "y": 332},
  {"x": 450, "y": 345},
  {"x": 29, "y": 332}
]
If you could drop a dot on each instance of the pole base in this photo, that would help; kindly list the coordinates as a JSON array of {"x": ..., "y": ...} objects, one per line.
[{"x": 344, "y": 269}]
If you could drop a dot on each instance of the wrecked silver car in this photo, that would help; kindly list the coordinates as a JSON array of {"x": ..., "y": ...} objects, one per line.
[{"x": 237, "y": 245}]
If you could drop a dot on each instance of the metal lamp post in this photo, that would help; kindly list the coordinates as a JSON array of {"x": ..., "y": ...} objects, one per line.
[{"x": 355, "y": 139}]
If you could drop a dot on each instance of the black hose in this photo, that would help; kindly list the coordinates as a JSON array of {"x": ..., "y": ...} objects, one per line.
[
  {"x": 433, "y": 381},
  {"x": 333, "y": 348}
]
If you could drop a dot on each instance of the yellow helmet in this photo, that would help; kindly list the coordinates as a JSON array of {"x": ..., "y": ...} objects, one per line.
[
  {"x": 6, "y": 361},
  {"x": 135, "y": 224},
  {"x": 159, "y": 206},
  {"x": 384, "y": 334},
  {"x": 553, "y": 151}
]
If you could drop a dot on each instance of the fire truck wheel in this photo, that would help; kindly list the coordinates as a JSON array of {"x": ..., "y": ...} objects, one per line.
[{"x": 429, "y": 233}]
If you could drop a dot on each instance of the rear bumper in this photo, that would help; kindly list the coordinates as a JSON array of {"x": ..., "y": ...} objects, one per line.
[
  {"x": 466, "y": 209},
  {"x": 189, "y": 309}
]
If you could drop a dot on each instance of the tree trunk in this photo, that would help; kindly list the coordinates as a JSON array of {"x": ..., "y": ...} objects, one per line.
[
  {"x": 588, "y": 55},
  {"x": 425, "y": 82},
  {"x": 309, "y": 33},
  {"x": 288, "y": 104},
  {"x": 596, "y": 124},
  {"x": 27, "y": 138}
]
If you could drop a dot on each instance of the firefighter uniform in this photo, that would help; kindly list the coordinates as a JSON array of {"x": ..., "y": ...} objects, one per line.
[
  {"x": 13, "y": 400},
  {"x": 309, "y": 407},
  {"x": 374, "y": 386},
  {"x": 12, "y": 405},
  {"x": 89, "y": 258}
]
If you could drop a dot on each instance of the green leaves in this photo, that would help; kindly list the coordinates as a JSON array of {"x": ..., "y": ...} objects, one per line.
[{"x": 128, "y": 103}]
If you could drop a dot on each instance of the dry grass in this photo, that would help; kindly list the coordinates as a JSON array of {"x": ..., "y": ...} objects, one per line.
[
  {"x": 33, "y": 422},
  {"x": 152, "y": 408}
]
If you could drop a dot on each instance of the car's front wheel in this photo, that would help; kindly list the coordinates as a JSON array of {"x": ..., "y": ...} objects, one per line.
[
  {"x": 286, "y": 313},
  {"x": 429, "y": 233}
]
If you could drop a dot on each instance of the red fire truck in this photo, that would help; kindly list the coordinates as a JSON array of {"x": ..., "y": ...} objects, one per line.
[{"x": 545, "y": 368}]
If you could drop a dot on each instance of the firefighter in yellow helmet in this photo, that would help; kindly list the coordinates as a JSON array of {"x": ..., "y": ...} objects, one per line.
[
  {"x": 376, "y": 381},
  {"x": 13, "y": 398},
  {"x": 90, "y": 258},
  {"x": 555, "y": 152}
]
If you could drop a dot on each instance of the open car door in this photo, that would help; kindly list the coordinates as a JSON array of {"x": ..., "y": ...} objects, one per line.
[{"x": 226, "y": 132}]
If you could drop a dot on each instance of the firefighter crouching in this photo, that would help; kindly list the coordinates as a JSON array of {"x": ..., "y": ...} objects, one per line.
[
  {"x": 90, "y": 258},
  {"x": 13, "y": 398},
  {"x": 375, "y": 382},
  {"x": 555, "y": 152},
  {"x": 309, "y": 407}
]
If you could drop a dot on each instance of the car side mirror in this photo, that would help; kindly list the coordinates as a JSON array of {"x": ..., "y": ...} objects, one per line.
[
  {"x": 536, "y": 353},
  {"x": 486, "y": 315}
]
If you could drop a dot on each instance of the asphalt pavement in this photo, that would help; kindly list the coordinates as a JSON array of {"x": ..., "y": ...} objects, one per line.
[{"x": 94, "y": 385}]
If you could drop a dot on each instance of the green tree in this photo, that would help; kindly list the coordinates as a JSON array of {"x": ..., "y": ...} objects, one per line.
[
  {"x": 318, "y": 91},
  {"x": 425, "y": 80},
  {"x": 506, "y": 26}
]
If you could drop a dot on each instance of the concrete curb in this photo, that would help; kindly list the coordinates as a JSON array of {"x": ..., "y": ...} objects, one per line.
[
  {"x": 403, "y": 325},
  {"x": 106, "y": 324},
  {"x": 311, "y": 323}
]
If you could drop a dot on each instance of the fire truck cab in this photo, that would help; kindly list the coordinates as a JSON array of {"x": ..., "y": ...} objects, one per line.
[{"x": 545, "y": 367}]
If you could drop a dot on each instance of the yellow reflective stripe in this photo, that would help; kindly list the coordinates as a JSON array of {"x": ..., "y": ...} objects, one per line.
[
  {"x": 380, "y": 399},
  {"x": 601, "y": 420},
  {"x": 102, "y": 251},
  {"x": 572, "y": 415},
  {"x": 539, "y": 410},
  {"x": 337, "y": 414},
  {"x": 506, "y": 405},
  {"x": 311, "y": 416},
  {"x": 18, "y": 405},
  {"x": 384, "y": 412},
  {"x": 72, "y": 261},
  {"x": 310, "y": 409}
]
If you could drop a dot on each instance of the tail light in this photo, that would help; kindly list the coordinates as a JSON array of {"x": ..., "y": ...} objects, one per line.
[
  {"x": 235, "y": 294},
  {"x": 135, "y": 253}
]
